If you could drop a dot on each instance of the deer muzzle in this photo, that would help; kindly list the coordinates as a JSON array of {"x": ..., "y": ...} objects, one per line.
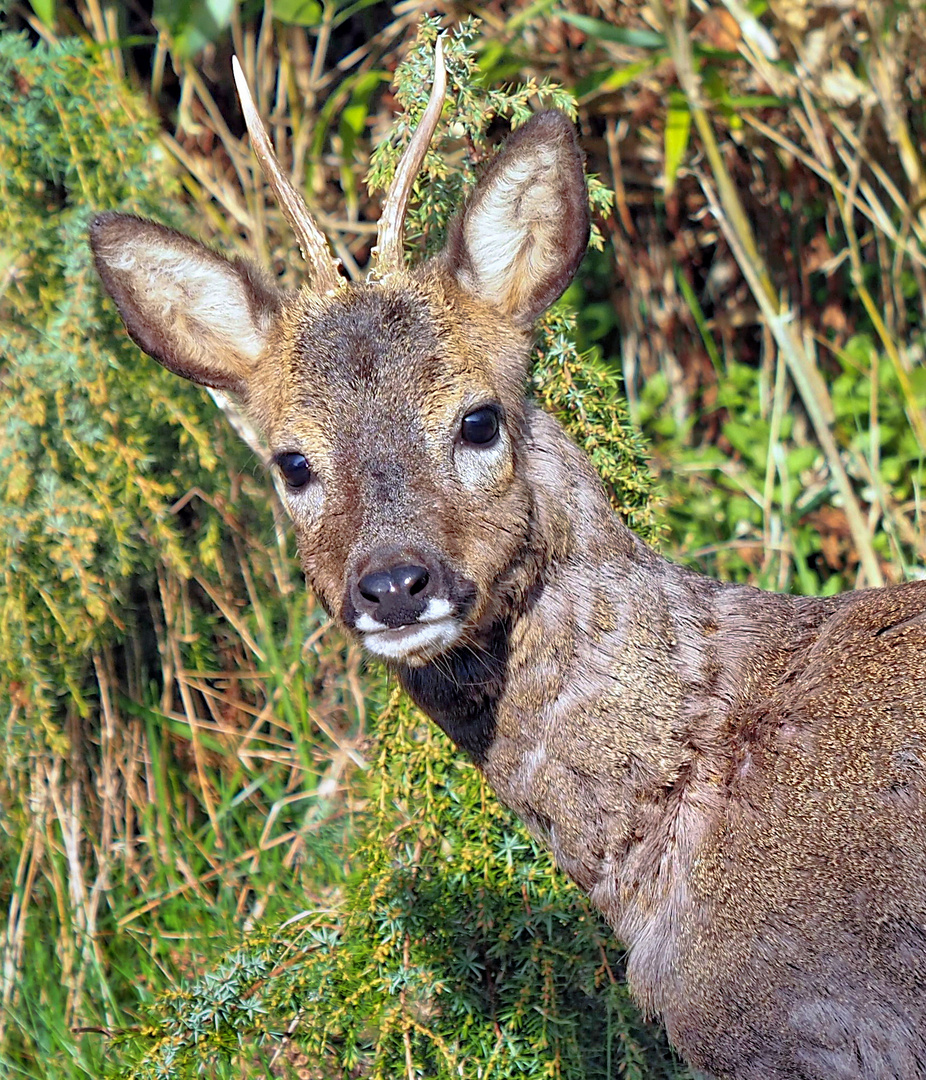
[{"x": 407, "y": 606}]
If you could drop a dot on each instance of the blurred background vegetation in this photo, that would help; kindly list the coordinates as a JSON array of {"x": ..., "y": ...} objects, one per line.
[{"x": 227, "y": 848}]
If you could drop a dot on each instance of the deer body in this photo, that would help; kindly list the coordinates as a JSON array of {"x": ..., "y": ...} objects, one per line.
[{"x": 735, "y": 777}]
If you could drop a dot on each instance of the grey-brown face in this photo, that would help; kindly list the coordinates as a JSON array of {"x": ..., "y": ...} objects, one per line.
[
  {"x": 399, "y": 449},
  {"x": 394, "y": 409}
]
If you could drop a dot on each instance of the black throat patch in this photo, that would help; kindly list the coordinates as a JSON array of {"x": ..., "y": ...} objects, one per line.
[{"x": 460, "y": 690}]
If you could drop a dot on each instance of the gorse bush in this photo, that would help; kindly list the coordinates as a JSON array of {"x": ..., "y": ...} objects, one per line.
[
  {"x": 73, "y": 518},
  {"x": 96, "y": 444}
]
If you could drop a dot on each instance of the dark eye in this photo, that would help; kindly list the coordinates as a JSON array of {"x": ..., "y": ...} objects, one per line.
[
  {"x": 480, "y": 428},
  {"x": 295, "y": 469}
]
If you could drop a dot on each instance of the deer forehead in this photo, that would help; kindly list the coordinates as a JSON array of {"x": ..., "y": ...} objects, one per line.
[{"x": 393, "y": 359}]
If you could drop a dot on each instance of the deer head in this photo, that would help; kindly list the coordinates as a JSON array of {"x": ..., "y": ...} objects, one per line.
[{"x": 393, "y": 408}]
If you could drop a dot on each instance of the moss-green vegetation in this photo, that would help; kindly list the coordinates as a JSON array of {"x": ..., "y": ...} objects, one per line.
[{"x": 71, "y": 439}]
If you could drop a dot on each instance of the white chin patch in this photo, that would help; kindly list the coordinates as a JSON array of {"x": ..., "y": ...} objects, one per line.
[
  {"x": 408, "y": 641},
  {"x": 435, "y": 631}
]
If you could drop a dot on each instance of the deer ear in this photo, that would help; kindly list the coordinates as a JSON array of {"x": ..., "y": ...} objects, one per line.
[
  {"x": 195, "y": 312},
  {"x": 524, "y": 230}
]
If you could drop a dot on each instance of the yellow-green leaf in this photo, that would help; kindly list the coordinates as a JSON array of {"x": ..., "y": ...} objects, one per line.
[{"x": 678, "y": 132}]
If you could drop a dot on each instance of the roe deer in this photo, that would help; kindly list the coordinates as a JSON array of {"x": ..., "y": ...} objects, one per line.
[{"x": 737, "y": 778}]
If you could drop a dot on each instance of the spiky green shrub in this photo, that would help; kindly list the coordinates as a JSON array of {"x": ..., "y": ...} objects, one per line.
[{"x": 95, "y": 446}]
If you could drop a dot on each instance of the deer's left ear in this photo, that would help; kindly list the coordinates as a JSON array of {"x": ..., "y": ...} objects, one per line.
[
  {"x": 197, "y": 313},
  {"x": 524, "y": 230}
]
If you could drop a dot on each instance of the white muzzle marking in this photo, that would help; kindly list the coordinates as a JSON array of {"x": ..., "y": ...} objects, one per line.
[{"x": 435, "y": 631}]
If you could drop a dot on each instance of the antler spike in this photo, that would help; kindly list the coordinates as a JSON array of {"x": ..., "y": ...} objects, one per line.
[
  {"x": 388, "y": 255},
  {"x": 311, "y": 239}
]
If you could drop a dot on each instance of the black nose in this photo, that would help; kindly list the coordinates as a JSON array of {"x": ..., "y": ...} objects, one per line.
[{"x": 396, "y": 596}]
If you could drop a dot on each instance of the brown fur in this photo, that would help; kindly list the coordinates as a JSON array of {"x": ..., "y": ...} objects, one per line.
[{"x": 735, "y": 777}]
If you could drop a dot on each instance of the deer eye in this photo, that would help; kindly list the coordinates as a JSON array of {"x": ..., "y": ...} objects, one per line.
[
  {"x": 295, "y": 469},
  {"x": 480, "y": 428}
]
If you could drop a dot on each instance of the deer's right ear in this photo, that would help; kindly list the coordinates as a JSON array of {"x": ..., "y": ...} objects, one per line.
[
  {"x": 524, "y": 230},
  {"x": 195, "y": 312}
]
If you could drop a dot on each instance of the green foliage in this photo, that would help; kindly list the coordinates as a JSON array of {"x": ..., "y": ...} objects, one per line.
[
  {"x": 298, "y": 12},
  {"x": 70, "y": 527},
  {"x": 193, "y": 24},
  {"x": 89, "y": 476},
  {"x": 778, "y": 328},
  {"x": 755, "y": 512}
]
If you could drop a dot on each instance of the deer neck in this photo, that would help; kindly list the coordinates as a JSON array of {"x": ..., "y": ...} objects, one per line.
[
  {"x": 585, "y": 588},
  {"x": 603, "y": 703}
]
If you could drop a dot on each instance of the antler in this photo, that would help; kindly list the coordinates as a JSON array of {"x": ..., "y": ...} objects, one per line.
[
  {"x": 311, "y": 239},
  {"x": 388, "y": 255}
]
